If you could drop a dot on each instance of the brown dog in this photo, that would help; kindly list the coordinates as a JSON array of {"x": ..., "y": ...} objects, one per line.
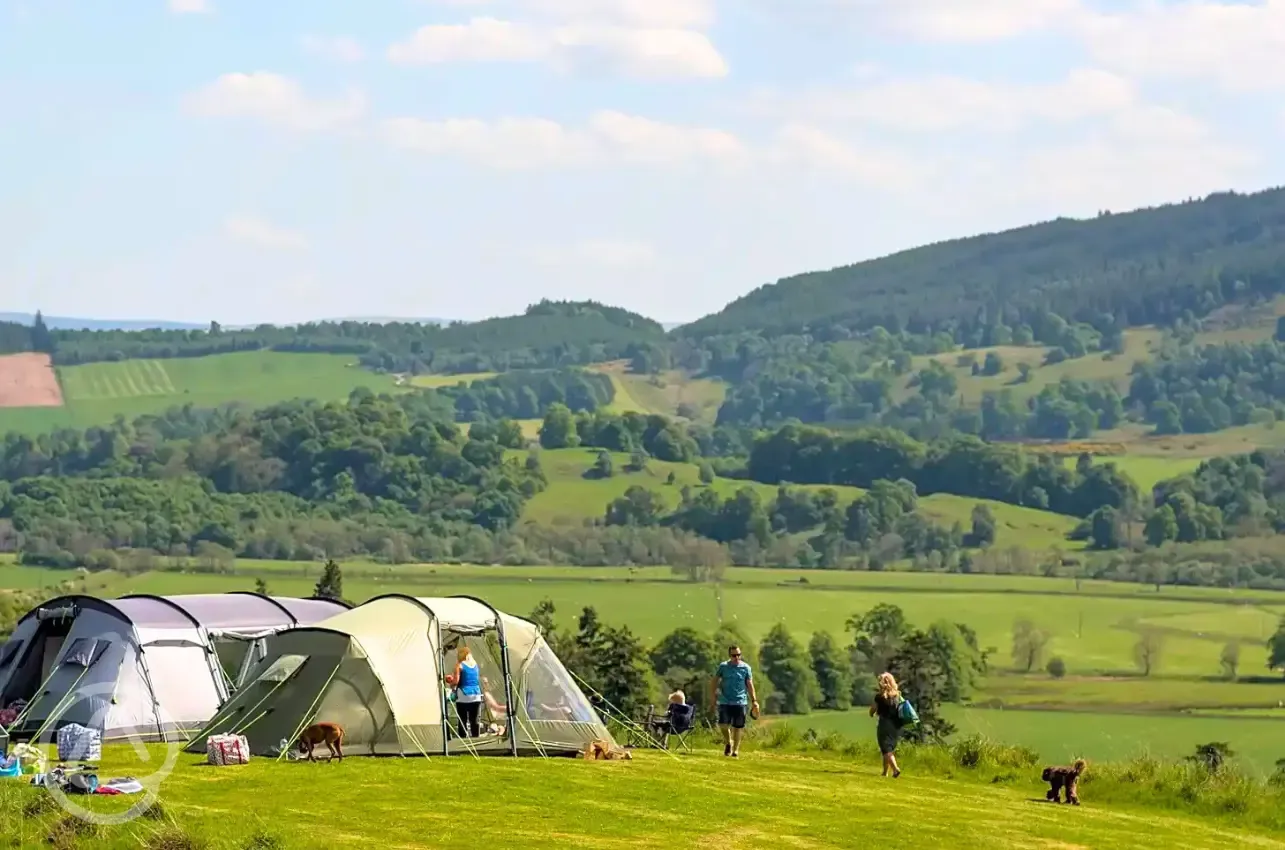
[
  {"x": 330, "y": 734},
  {"x": 603, "y": 751},
  {"x": 1067, "y": 778}
]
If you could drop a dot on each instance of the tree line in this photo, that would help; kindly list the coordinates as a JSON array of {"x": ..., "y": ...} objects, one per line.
[
  {"x": 935, "y": 666},
  {"x": 964, "y": 466},
  {"x": 548, "y": 335}
]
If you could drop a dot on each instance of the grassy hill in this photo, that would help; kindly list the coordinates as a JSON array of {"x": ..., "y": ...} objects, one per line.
[
  {"x": 1140, "y": 344},
  {"x": 95, "y": 393},
  {"x": 671, "y": 393},
  {"x": 1149, "y": 265},
  {"x": 571, "y": 498},
  {"x": 769, "y": 797}
]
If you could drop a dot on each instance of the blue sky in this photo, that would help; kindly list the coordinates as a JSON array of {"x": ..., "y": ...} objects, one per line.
[{"x": 244, "y": 160}]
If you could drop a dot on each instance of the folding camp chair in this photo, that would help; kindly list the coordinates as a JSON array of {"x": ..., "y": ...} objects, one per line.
[{"x": 677, "y": 723}]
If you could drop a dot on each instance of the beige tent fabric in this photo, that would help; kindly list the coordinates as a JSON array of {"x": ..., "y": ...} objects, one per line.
[{"x": 375, "y": 669}]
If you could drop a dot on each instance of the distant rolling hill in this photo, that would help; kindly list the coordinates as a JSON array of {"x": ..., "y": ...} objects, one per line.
[
  {"x": 1149, "y": 266},
  {"x": 67, "y": 323}
]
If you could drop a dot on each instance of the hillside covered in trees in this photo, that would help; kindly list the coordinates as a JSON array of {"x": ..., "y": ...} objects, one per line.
[
  {"x": 548, "y": 335},
  {"x": 1150, "y": 266}
]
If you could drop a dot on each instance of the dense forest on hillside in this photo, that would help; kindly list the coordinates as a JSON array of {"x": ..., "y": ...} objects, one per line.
[
  {"x": 1150, "y": 266},
  {"x": 394, "y": 479},
  {"x": 548, "y": 335}
]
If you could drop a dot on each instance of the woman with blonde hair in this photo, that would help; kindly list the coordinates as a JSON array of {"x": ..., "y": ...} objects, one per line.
[
  {"x": 468, "y": 692},
  {"x": 886, "y": 705}
]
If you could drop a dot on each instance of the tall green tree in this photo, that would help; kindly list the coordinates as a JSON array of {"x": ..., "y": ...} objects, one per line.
[
  {"x": 1276, "y": 648},
  {"x": 1029, "y": 644},
  {"x": 684, "y": 660},
  {"x": 331, "y": 583},
  {"x": 558, "y": 431},
  {"x": 794, "y": 684},
  {"x": 833, "y": 671}
]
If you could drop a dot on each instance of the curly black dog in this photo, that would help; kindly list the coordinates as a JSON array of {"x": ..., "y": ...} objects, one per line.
[{"x": 1064, "y": 777}]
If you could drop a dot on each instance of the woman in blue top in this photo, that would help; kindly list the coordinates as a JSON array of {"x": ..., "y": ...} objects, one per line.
[{"x": 468, "y": 692}]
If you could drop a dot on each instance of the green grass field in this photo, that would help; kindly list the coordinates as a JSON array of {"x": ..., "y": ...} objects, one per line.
[
  {"x": 665, "y": 393},
  {"x": 1102, "y": 710},
  {"x": 432, "y": 382},
  {"x": 1094, "y": 630},
  {"x": 763, "y": 799},
  {"x": 571, "y": 498},
  {"x": 96, "y": 393},
  {"x": 1062, "y": 736},
  {"x": 1140, "y": 343}
]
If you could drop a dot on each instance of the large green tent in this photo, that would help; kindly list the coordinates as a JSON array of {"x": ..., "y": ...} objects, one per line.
[{"x": 377, "y": 671}]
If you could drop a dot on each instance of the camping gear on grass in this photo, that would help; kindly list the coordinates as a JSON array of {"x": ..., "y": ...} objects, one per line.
[
  {"x": 227, "y": 749},
  {"x": 79, "y": 743},
  {"x": 81, "y": 783},
  {"x": 378, "y": 671}
]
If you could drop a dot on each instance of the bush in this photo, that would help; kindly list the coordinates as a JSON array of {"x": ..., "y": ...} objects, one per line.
[
  {"x": 1056, "y": 668},
  {"x": 977, "y": 751}
]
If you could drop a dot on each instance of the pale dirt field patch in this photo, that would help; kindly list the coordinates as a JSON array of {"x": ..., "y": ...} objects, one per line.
[{"x": 29, "y": 380}]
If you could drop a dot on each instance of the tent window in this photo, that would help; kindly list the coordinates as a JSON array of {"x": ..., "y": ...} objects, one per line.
[
  {"x": 9, "y": 653},
  {"x": 83, "y": 651},
  {"x": 283, "y": 668}
]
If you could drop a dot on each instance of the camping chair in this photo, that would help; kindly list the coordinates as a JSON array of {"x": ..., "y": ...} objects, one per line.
[{"x": 677, "y": 722}]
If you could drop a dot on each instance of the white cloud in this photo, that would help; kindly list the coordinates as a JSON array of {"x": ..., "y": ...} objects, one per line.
[
  {"x": 334, "y": 48},
  {"x": 800, "y": 146},
  {"x": 940, "y": 21},
  {"x": 191, "y": 7},
  {"x": 631, "y": 51},
  {"x": 608, "y": 138},
  {"x": 939, "y": 103},
  {"x": 274, "y": 99},
  {"x": 1238, "y": 45},
  {"x": 661, "y": 14},
  {"x": 256, "y": 231}
]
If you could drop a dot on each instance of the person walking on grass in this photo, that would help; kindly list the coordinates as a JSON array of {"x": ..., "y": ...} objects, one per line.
[
  {"x": 886, "y": 705},
  {"x": 468, "y": 692},
  {"x": 732, "y": 689}
]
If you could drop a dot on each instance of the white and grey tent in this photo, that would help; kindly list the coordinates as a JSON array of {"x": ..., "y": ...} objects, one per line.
[{"x": 144, "y": 666}]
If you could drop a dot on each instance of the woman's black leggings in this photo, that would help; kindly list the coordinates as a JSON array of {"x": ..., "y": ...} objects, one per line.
[{"x": 468, "y": 712}]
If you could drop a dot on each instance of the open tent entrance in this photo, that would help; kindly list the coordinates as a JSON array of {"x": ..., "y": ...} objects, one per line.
[
  {"x": 378, "y": 669},
  {"x": 28, "y": 664}
]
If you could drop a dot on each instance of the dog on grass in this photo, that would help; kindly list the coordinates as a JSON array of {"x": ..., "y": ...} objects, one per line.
[
  {"x": 603, "y": 751},
  {"x": 330, "y": 734},
  {"x": 1067, "y": 778}
]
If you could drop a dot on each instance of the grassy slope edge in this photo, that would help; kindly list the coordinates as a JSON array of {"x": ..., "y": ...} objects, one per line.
[{"x": 655, "y": 801}]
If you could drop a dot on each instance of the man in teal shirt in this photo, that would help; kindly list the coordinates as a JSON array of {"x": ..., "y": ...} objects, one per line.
[{"x": 732, "y": 690}]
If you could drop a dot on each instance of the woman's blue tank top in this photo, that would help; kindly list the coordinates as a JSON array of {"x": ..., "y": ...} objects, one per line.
[{"x": 469, "y": 684}]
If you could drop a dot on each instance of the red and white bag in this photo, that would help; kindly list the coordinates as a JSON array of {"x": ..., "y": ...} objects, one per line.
[{"x": 227, "y": 749}]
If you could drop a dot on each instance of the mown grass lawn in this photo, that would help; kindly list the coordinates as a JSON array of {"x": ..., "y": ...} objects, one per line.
[
  {"x": 655, "y": 801},
  {"x": 1062, "y": 736}
]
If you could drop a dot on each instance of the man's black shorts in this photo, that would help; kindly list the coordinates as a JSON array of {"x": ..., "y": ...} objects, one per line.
[{"x": 731, "y": 715}]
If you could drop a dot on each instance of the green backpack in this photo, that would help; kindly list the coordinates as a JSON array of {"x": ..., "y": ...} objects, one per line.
[{"x": 906, "y": 714}]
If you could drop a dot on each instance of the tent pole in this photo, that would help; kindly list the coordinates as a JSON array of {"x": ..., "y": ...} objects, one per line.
[
  {"x": 504, "y": 666},
  {"x": 441, "y": 689},
  {"x": 151, "y": 690},
  {"x": 508, "y": 686}
]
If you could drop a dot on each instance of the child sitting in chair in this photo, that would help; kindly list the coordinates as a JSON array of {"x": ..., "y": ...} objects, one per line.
[{"x": 676, "y": 719}]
